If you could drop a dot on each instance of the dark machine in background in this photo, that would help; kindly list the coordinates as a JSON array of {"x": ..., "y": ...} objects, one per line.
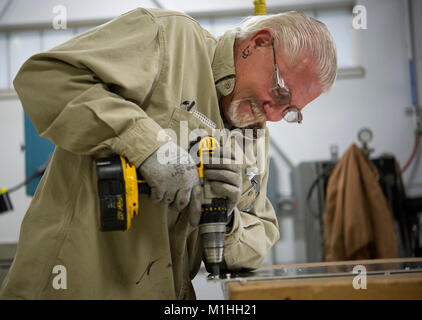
[{"x": 309, "y": 182}]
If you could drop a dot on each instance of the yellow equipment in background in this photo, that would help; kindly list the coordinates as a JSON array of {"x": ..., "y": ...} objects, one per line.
[{"x": 260, "y": 8}]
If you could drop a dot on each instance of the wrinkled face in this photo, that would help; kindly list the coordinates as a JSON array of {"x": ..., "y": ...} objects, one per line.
[{"x": 252, "y": 101}]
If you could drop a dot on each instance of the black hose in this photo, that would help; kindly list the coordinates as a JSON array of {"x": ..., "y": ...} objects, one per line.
[
  {"x": 311, "y": 189},
  {"x": 37, "y": 173}
]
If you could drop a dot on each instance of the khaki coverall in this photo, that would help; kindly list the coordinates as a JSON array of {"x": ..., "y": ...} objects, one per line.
[{"x": 112, "y": 89}]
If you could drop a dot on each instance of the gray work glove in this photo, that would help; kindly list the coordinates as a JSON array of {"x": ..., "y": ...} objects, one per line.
[
  {"x": 225, "y": 179},
  {"x": 172, "y": 175}
]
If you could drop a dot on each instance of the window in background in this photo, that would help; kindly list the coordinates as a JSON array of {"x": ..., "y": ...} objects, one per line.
[
  {"x": 17, "y": 46},
  {"x": 22, "y": 45},
  {"x": 52, "y": 38}
]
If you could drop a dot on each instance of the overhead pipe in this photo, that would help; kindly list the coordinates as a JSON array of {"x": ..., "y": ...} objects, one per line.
[{"x": 413, "y": 83}]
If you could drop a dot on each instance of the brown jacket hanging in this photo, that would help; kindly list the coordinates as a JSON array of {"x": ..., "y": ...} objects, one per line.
[{"x": 358, "y": 221}]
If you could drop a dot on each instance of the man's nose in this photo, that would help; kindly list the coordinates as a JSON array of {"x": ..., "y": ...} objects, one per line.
[{"x": 273, "y": 113}]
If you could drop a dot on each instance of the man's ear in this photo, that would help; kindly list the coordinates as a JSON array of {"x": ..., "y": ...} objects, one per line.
[{"x": 263, "y": 38}]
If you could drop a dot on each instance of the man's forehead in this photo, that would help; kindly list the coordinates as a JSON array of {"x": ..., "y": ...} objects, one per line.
[
  {"x": 305, "y": 92},
  {"x": 295, "y": 64},
  {"x": 302, "y": 80}
]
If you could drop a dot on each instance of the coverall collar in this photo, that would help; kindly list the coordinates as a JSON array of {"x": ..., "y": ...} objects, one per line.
[{"x": 223, "y": 64}]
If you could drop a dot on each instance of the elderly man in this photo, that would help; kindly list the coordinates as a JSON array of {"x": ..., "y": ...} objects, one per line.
[{"x": 113, "y": 89}]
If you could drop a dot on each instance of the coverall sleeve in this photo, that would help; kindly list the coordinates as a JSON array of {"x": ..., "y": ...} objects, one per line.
[
  {"x": 253, "y": 232},
  {"x": 87, "y": 94}
]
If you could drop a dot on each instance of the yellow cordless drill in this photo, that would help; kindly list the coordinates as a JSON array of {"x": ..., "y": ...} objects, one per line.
[
  {"x": 119, "y": 185},
  {"x": 212, "y": 224}
]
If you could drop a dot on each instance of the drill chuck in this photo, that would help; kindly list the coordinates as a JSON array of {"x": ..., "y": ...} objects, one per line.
[
  {"x": 213, "y": 241},
  {"x": 212, "y": 228}
]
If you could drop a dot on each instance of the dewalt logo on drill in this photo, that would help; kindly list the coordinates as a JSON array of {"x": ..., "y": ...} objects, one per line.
[{"x": 120, "y": 209}]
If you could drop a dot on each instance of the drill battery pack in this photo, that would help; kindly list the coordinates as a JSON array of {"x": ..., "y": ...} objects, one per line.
[{"x": 118, "y": 193}]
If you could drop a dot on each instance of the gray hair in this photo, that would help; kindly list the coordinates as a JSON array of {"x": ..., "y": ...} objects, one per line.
[{"x": 299, "y": 35}]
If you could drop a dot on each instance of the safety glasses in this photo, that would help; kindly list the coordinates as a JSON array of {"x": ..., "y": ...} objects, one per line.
[{"x": 282, "y": 96}]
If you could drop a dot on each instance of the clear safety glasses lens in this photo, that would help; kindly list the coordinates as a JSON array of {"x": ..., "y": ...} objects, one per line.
[{"x": 292, "y": 114}]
